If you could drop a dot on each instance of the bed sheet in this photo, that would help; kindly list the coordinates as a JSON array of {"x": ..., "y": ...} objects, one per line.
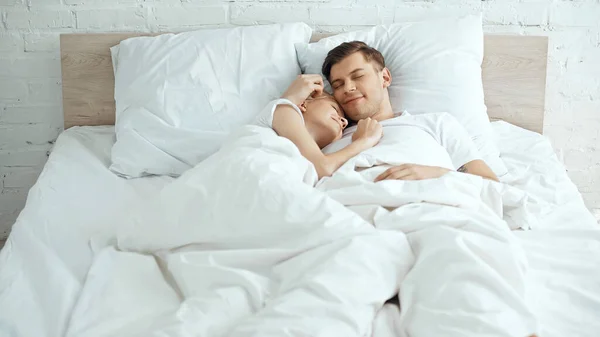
[
  {"x": 534, "y": 167},
  {"x": 48, "y": 253},
  {"x": 563, "y": 252},
  {"x": 44, "y": 263},
  {"x": 562, "y": 284}
]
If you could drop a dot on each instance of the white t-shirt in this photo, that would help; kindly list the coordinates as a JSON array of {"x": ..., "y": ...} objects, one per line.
[
  {"x": 265, "y": 117},
  {"x": 434, "y": 139}
]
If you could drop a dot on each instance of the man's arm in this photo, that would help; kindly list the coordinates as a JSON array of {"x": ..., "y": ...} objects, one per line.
[
  {"x": 421, "y": 172},
  {"x": 479, "y": 168},
  {"x": 461, "y": 148}
]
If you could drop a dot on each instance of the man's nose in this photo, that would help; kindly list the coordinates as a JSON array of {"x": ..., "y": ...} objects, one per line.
[{"x": 349, "y": 86}]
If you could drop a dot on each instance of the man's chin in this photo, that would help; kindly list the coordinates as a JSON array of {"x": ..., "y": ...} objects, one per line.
[
  {"x": 353, "y": 114},
  {"x": 358, "y": 116}
]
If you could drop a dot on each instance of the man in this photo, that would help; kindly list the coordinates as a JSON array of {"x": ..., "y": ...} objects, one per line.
[
  {"x": 360, "y": 82},
  {"x": 412, "y": 148},
  {"x": 312, "y": 120}
]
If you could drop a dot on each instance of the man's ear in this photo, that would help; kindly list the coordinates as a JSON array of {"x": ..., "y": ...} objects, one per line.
[{"x": 387, "y": 77}]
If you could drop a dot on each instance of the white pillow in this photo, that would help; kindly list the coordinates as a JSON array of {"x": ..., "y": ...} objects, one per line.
[
  {"x": 178, "y": 96},
  {"x": 435, "y": 66}
]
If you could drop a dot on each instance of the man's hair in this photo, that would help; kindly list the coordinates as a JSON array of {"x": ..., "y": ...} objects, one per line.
[{"x": 337, "y": 54}]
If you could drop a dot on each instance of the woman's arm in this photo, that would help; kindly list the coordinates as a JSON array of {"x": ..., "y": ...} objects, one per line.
[{"x": 288, "y": 123}]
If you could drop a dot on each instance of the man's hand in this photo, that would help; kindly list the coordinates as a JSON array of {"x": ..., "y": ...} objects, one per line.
[
  {"x": 368, "y": 133},
  {"x": 479, "y": 168},
  {"x": 412, "y": 172},
  {"x": 303, "y": 87}
]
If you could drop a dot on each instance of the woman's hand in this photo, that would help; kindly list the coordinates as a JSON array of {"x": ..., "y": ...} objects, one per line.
[
  {"x": 303, "y": 87},
  {"x": 368, "y": 133}
]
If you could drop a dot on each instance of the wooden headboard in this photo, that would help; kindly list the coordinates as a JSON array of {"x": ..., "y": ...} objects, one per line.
[{"x": 514, "y": 78}]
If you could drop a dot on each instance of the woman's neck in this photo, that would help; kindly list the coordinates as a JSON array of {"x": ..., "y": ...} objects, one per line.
[{"x": 320, "y": 138}]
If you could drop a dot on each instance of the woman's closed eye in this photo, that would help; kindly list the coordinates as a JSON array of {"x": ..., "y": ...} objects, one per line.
[{"x": 339, "y": 111}]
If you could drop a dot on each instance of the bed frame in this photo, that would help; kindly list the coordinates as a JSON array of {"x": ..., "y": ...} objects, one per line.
[{"x": 513, "y": 70}]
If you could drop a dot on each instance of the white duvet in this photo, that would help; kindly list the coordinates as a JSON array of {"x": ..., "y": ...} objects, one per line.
[
  {"x": 238, "y": 252},
  {"x": 227, "y": 250}
]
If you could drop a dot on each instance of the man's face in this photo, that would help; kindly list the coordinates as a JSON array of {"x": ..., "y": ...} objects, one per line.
[{"x": 359, "y": 86}]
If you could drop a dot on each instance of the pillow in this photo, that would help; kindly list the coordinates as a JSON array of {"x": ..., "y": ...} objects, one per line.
[
  {"x": 178, "y": 96},
  {"x": 435, "y": 66}
]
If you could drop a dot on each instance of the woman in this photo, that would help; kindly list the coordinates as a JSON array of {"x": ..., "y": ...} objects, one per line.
[{"x": 312, "y": 119}]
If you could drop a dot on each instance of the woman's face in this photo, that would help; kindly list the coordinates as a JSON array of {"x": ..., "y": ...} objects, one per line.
[{"x": 324, "y": 119}]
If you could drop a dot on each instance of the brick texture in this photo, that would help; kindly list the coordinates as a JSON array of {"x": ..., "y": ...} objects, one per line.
[
  {"x": 189, "y": 17},
  {"x": 11, "y": 43},
  {"x": 112, "y": 19},
  {"x": 30, "y": 86},
  {"x": 251, "y": 14},
  {"x": 42, "y": 42},
  {"x": 39, "y": 19}
]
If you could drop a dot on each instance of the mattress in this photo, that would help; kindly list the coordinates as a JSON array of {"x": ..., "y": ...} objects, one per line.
[{"x": 44, "y": 263}]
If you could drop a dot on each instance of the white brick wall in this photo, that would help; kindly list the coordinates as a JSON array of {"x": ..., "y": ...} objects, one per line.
[
  {"x": 39, "y": 19},
  {"x": 30, "y": 91}
]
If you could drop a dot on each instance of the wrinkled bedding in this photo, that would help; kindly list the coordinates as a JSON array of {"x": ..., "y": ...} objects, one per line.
[
  {"x": 226, "y": 250},
  {"x": 268, "y": 255}
]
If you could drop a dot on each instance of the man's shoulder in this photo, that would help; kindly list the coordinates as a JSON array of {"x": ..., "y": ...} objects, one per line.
[
  {"x": 428, "y": 117},
  {"x": 434, "y": 114},
  {"x": 405, "y": 117},
  {"x": 430, "y": 122}
]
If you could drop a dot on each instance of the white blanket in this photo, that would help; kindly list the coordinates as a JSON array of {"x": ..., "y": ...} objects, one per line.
[{"x": 244, "y": 245}]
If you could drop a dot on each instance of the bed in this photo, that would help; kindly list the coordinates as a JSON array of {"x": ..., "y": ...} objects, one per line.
[{"x": 57, "y": 275}]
